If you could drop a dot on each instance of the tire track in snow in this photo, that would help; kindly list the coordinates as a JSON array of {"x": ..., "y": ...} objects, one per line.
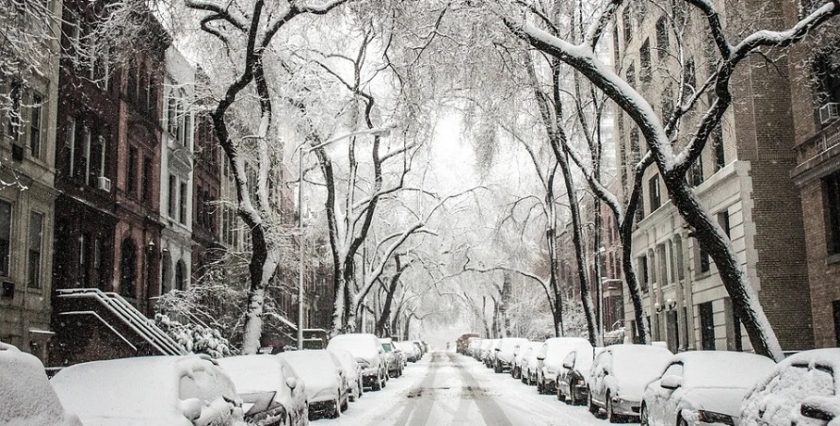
[{"x": 490, "y": 411}]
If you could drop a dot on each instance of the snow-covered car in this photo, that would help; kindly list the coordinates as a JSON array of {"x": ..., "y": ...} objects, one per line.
[
  {"x": 186, "y": 390},
  {"x": 571, "y": 383},
  {"x": 368, "y": 353},
  {"x": 802, "y": 390},
  {"x": 550, "y": 359},
  {"x": 412, "y": 354},
  {"x": 619, "y": 376},
  {"x": 392, "y": 359},
  {"x": 421, "y": 346},
  {"x": 490, "y": 355},
  {"x": 352, "y": 372},
  {"x": 485, "y": 346},
  {"x": 323, "y": 376},
  {"x": 27, "y": 397},
  {"x": 271, "y": 392},
  {"x": 530, "y": 363},
  {"x": 702, "y": 387},
  {"x": 475, "y": 347},
  {"x": 518, "y": 357},
  {"x": 505, "y": 352}
]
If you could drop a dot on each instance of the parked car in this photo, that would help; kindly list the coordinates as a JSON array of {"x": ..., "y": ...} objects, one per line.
[
  {"x": 486, "y": 346},
  {"x": 702, "y": 387},
  {"x": 550, "y": 360},
  {"x": 803, "y": 389},
  {"x": 571, "y": 383},
  {"x": 518, "y": 356},
  {"x": 490, "y": 355},
  {"x": 505, "y": 351},
  {"x": 186, "y": 390},
  {"x": 271, "y": 392},
  {"x": 352, "y": 373},
  {"x": 392, "y": 360},
  {"x": 619, "y": 376},
  {"x": 475, "y": 347},
  {"x": 28, "y": 398},
  {"x": 326, "y": 387},
  {"x": 368, "y": 353},
  {"x": 530, "y": 363},
  {"x": 422, "y": 347},
  {"x": 412, "y": 353}
]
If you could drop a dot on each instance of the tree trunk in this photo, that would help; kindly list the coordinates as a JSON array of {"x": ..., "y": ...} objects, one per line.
[
  {"x": 713, "y": 241},
  {"x": 382, "y": 322}
]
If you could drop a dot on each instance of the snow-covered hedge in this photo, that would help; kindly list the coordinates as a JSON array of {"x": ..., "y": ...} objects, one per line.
[{"x": 196, "y": 338}]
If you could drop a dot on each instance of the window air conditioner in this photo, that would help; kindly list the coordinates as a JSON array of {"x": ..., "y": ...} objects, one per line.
[
  {"x": 104, "y": 184},
  {"x": 829, "y": 112}
]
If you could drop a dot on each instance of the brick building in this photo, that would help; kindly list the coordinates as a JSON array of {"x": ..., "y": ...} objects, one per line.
[
  {"x": 27, "y": 195},
  {"x": 815, "y": 93},
  {"x": 741, "y": 178}
]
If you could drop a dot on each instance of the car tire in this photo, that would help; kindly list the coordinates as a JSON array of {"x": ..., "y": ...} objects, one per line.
[
  {"x": 572, "y": 399},
  {"x": 611, "y": 416},
  {"x": 337, "y": 409},
  {"x": 497, "y": 368},
  {"x": 346, "y": 404},
  {"x": 540, "y": 386},
  {"x": 559, "y": 393},
  {"x": 682, "y": 422},
  {"x": 377, "y": 384},
  {"x": 643, "y": 416},
  {"x": 592, "y": 407}
]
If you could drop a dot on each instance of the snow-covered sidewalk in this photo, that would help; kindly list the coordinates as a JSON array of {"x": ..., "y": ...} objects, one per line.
[{"x": 450, "y": 389}]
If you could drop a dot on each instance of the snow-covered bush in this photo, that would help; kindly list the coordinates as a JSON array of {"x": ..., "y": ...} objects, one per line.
[{"x": 196, "y": 338}]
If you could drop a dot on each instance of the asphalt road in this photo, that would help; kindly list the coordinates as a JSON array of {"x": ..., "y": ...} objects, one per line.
[{"x": 450, "y": 389}]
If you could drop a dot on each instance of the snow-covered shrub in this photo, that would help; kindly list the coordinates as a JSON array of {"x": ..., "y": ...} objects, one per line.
[{"x": 196, "y": 338}]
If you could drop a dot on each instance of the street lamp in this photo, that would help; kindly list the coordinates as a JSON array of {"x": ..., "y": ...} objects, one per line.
[{"x": 383, "y": 131}]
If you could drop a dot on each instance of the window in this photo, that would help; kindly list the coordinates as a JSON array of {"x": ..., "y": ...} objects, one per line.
[
  {"x": 707, "y": 326},
  {"x": 84, "y": 260},
  {"x": 645, "y": 70},
  {"x": 132, "y": 172},
  {"x": 702, "y": 258},
  {"x": 128, "y": 268},
  {"x": 84, "y": 155},
  {"x": 36, "y": 238},
  {"x": 675, "y": 369},
  {"x": 148, "y": 172},
  {"x": 182, "y": 202},
  {"x": 631, "y": 75},
  {"x": 71, "y": 143},
  {"x": 14, "y": 120},
  {"x": 173, "y": 196},
  {"x": 723, "y": 221},
  {"x": 832, "y": 193},
  {"x": 653, "y": 193},
  {"x": 826, "y": 70},
  {"x": 717, "y": 145},
  {"x": 835, "y": 305},
  {"x": 180, "y": 276},
  {"x": 35, "y": 121},
  {"x": 662, "y": 38},
  {"x": 97, "y": 161},
  {"x": 5, "y": 237},
  {"x": 695, "y": 172},
  {"x": 643, "y": 273},
  {"x": 736, "y": 333},
  {"x": 97, "y": 262}
]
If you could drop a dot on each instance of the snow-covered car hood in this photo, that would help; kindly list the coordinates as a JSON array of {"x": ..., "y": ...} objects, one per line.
[{"x": 716, "y": 399}]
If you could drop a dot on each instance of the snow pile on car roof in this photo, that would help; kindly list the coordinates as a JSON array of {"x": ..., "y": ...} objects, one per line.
[
  {"x": 26, "y": 398},
  {"x": 254, "y": 373},
  {"x": 724, "y": 368}
]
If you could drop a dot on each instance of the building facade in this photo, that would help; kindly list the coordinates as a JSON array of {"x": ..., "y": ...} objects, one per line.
[
  {"x": 741, "y": 178},
  {"x": 815, "y": 92},
  {"x": 27, "y": 194},
  {"x": 176, "y": 177}
]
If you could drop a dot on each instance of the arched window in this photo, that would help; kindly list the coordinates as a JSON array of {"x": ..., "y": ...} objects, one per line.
[
  {"x": 128, "y": 268},
  {"x": 180, "y": 275}
]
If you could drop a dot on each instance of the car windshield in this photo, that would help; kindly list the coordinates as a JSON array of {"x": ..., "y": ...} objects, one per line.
[
  {"x": 640, "y": 361},
  {"x": 387, "y": 347}
]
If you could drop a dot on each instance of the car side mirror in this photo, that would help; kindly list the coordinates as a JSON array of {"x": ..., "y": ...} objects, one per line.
[
  {"x": 568, "y": 365},
  {"x": 191, "y": 408},
  {"x": 291, "y": 382},
  {"x": 540, "y": 358},
  {"x": 498, "y": 350},
  {"x": 813, "y": 409},
  {"x": 671, "y": 382}
]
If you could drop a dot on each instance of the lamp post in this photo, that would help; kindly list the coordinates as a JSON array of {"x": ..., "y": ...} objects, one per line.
[{"x": 384, "y": 131}]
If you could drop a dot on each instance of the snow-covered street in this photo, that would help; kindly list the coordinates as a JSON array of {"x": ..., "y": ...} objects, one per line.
[{"x": 446, "y": 388}]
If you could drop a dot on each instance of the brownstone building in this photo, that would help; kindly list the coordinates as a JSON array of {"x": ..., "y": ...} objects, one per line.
[
  {"x": 107, "y": 226},
  {"x": 815, "y": 92},
  {"x": 207, "y": 174}
]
